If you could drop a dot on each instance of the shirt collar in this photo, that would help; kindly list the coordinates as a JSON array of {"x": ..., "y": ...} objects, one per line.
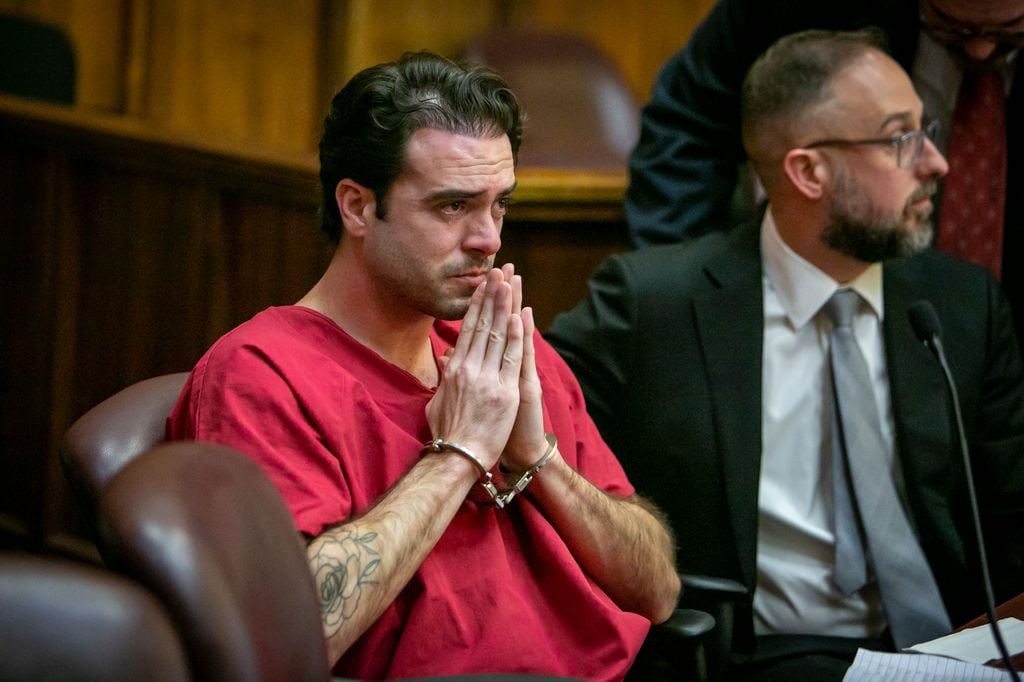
[{"x": 802, "y": 288}]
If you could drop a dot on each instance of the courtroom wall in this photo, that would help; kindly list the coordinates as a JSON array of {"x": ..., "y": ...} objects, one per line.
[{"x": 261, "y": 72}]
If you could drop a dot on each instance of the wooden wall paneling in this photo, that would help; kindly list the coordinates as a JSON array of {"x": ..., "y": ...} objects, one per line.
[
  {"x": 356, "y": 34},
  {"x": 375, "y": 32},
  {"x": 118, "y": 262},
  {"x": 287, "y": 102},
  {"x": 138, "y": 33},
  {"x": 262, "y": 72},
  {"x": 639, "y": 38},
  {"x": 276, "y": 249},
  {"x": 27, "y": 328},
  {"x": 245, "y": 72},
  {"x": 129, "y": 294},
  {"x": 201, "y": 308},
  {"x": 133, "y": 229},
  {"x": 99, "y": 33},
  {"x": 556, "y": 261},
  {"x": 171, "y": 265},
  {"x": 352, "y": 24},
  {"x": 170, "y": 261},
  {"x": 331, "y": 45},
  {"x": 60, "y": 196}
]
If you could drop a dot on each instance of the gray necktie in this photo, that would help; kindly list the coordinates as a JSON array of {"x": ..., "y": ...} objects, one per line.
[{"x": 910, "y": 596}]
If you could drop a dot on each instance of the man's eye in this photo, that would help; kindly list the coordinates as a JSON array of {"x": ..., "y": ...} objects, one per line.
[
  {"x": 454, "y": 206},
  {"x": 503, "y": 205}
]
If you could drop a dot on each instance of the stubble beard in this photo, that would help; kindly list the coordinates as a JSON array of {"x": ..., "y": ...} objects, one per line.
[
  {"x": 428, "y": 291},
  {"x": 451, "y": 309},
  {"x": 860, "y": 230},
  {"x": 454, "y": 307}
]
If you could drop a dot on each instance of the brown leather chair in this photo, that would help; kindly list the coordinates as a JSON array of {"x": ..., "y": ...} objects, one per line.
[
  {"x": 37, "y": 60},
  {"x": 114, "y": 432},
  {"x": 219, "y": 567},
  {"x": 202, "y": 527},
  {"x": 580, "y": 110},
  {"x": 61, "y": 620}
]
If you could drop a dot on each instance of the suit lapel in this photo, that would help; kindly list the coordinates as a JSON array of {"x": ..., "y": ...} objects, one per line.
[
  {"x": 920, "y": 406},
  {"x": 730, "y": 322}
]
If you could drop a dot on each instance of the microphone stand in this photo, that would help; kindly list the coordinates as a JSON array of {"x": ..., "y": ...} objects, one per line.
[{"x": 934, "y": 343}]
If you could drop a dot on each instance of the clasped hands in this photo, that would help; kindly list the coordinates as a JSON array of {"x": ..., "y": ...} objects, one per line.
[{"x": 489, "y": 397}]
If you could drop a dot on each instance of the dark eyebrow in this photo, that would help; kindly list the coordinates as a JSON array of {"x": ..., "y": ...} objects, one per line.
[
  {"x": 453, "y": 194},
  {"x": 953, "y": 21}
]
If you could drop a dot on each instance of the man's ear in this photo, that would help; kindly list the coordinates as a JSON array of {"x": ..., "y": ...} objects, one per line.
[
  {"x": 807, "y": 171},
  {"x": 357, "y": 206}
]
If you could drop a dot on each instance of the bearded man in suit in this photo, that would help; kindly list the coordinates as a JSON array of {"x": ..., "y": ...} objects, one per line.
[{"x": 709, "y": 368}]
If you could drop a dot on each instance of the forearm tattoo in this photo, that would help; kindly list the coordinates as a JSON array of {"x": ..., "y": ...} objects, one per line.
[{"x": 342, "y": 566}]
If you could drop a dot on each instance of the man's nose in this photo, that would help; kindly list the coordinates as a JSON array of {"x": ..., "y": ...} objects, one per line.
[
  {"x": 979, "y": 49},
  {"x": 932, "y": 163},
  {"x": 486, "y": 234}
]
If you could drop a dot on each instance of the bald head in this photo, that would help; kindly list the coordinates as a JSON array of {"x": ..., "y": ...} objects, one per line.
[{"x": 788, "y": 88}]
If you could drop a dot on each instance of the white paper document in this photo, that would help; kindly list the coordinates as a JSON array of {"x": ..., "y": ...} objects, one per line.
[
  {"x": 876, "y": 666},
  {"x": 976, "y": 645}
]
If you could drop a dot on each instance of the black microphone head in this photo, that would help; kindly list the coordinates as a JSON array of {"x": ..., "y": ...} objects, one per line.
[{"x": 925, "y": 321}]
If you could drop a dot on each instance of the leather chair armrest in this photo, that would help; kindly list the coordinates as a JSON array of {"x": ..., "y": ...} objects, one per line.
[
  {"x": 686, "y": 624},
  {"x": 674, "y": 650},
  {"x": 719, "y": 598}
]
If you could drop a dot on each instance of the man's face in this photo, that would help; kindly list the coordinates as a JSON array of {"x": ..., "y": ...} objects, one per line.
[
  {"x": 861, "y": 229},
  {"x": 877, "y": 209},
  {"x": 984, "y": 31},
  {"x": 443, "y": 222}
]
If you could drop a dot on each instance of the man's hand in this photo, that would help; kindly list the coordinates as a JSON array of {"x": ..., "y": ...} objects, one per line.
[
  {"x": 526, "y": 443},
  {"x": 623, "y": 542},
  {"x": 478, "y": 397}
]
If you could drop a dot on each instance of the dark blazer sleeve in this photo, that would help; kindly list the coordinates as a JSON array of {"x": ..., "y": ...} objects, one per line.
[
  {"x": 684, "y": 169},
  {"x": 1013, "y": 237},
  {"x": 984, "y": 359},
  {"x": 640, "y": 355},
  {"x": 596, "y": 340},
  {"x": 997, "y": 447}
]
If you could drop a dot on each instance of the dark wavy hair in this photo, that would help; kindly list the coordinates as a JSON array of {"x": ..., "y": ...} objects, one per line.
[{"x": 372, "y": 118}]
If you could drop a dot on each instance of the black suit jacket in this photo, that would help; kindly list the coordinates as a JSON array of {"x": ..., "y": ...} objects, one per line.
[
  {"x": 684, "y": 168},
  {"x": 668, "y": 349}
]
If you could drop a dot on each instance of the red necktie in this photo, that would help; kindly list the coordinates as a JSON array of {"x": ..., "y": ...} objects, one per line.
[{"x": 971, "y": 223}]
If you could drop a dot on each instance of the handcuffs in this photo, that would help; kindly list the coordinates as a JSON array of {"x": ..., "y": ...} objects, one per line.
[{"x": 501, "y": 497}]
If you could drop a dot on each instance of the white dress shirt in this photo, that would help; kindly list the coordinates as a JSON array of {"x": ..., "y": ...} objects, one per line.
[{"x": 796, "y": 546}]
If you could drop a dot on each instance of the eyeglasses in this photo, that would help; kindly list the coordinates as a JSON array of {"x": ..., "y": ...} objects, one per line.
[
  {"x": 908, "y": 146},
  {"x": 950, "y": 32},
  {"x": 960, "y": 35}
]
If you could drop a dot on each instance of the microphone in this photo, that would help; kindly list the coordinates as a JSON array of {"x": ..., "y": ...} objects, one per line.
[{"x": 928, "y": 329}]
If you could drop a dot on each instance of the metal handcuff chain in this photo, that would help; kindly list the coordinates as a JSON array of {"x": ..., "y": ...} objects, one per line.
[{"x": 501, "y": 497}]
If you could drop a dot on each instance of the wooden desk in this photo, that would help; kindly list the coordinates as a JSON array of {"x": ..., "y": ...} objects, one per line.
[{"x": 126, "y": 251}]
